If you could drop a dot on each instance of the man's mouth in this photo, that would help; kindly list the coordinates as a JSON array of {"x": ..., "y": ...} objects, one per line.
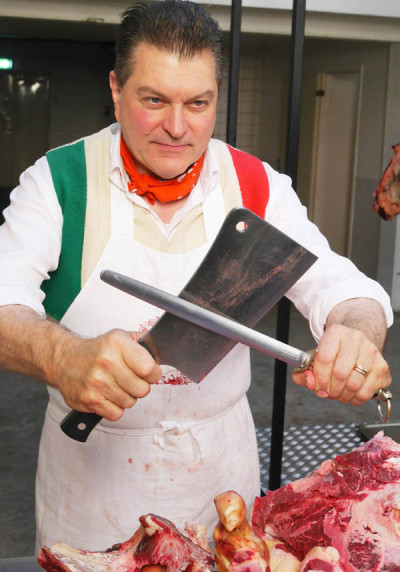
[{"x": 172, "y": 146}]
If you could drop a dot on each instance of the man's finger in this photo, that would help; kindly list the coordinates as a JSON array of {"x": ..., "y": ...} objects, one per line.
[
  {"x": 140, "y": 361},
  {"x": 108, "y": 410}
]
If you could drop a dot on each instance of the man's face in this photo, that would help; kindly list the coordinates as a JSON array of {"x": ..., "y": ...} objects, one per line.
[{"x": 166, "y": 109}]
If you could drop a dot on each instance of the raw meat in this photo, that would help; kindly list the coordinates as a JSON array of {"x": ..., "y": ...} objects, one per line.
[
  {"x": 387, "y": 194},
  {"x": 351, "y": 503},
  {"x": 157, "y": 541},
  {"x": 237, "y": 548},
  {"x": 321, "y": 560}
]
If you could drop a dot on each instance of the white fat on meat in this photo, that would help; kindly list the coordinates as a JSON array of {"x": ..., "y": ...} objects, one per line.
[
  {"x": 280, "y": 557},
  {"x": 317, "y": 559}
]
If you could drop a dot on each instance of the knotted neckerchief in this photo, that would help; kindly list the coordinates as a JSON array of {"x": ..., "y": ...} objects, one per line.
[{"x": 153, "y": 188}]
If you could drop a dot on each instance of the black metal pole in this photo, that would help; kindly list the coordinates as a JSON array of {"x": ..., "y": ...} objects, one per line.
[
  {"x": 283, "y": 314},
  {"x": 233, "y": 80}
]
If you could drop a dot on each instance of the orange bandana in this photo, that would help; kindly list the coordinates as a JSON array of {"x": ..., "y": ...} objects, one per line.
[{"x": 152, "y": 188}]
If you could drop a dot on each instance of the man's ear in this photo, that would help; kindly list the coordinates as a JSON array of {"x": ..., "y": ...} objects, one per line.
[{"x": 115, "y": 92}]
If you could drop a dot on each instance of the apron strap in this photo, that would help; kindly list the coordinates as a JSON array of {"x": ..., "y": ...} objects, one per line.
[
  {"x": 214, "y": 213},
  {"x": 253, "y": 180},
  {"x": 121, "y": 214},
  {"x": 70, "y": 185}
]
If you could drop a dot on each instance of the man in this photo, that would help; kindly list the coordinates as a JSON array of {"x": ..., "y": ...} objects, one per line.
[{"x": 146, "y": 197}]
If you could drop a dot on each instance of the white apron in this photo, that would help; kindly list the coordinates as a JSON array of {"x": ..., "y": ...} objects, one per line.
[{"x": 175, "y": 449}]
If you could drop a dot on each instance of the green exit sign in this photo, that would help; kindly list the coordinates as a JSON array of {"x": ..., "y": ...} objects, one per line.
[{"x": 6, "y": 64}]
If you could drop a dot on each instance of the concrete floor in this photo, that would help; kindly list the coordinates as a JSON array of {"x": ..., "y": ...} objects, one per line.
[{"x": 23, "y": 404}]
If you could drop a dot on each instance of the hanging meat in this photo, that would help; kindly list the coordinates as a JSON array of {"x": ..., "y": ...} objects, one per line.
[
  {"x": 237, "y": 548},
  {"x": 156, "y": 542},
  {"x": 387, "y": 194},
  {"x": 350, "y": 505}
]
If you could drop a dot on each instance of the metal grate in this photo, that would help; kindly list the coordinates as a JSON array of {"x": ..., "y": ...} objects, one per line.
[{"x": 306, "y": 447}]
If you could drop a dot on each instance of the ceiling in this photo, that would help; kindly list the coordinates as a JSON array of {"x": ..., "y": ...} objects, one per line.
[{"x": 96, "y": 21}]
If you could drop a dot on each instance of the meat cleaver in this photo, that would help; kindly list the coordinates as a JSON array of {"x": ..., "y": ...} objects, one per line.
[{"x": 249, "y": 267}]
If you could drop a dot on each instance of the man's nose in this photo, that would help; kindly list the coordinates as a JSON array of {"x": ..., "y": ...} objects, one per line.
[{"x": 175, "y": 121}]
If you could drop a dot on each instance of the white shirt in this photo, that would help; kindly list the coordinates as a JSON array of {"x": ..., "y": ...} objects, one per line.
[{"x": 30, "y": 240}]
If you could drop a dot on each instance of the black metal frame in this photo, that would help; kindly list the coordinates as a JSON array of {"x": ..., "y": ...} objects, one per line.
[
  {"x": 291, "y": 163},
  {"x": 233, "y": 79}
]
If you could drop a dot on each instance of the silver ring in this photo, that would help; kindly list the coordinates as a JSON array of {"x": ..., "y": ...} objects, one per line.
[
  {"x": 360, "y": 369},
  {"x": 383, "y": 396}
]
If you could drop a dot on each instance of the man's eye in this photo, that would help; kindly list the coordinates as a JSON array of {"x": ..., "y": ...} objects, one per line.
[
  {"x": 199, "y": 103},
  {"x": 151, "y": 101}
]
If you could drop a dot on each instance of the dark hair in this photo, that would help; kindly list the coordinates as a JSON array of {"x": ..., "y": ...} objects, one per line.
[{"x": 177, "y": 26}]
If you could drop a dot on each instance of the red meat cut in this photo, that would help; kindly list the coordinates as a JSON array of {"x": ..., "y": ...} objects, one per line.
[
  {"x": 351, "y": 503},
  {"x": 321, "y": 560},
  {"x": 387, "y": 194},
  {"x": 157, "y": 541}
]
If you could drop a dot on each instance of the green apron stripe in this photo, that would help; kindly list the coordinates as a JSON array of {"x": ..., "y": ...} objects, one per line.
[{"x": 68, "y": 170}]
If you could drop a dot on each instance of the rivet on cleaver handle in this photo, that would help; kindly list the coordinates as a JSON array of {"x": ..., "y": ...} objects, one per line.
[{"x": 78, "y": 425}]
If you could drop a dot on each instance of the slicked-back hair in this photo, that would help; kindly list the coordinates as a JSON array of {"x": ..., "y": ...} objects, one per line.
[{"x": 179, "y": 27}]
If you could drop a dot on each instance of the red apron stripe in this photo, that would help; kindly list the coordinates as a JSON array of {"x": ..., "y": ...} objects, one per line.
[{"x": 253, "y": 181}]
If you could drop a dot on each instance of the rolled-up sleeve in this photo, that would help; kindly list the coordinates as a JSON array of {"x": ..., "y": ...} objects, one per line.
[
  {"x": 332, "y": 278},
  {"x": 30, "y": 238}
]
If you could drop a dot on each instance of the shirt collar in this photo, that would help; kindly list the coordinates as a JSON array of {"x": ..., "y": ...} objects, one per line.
[{"x": 117, "y": 173}]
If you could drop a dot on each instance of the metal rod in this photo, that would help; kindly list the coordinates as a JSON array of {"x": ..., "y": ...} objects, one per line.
[
  {"x": 206, "y": 319},
  {"x": 283, "y": 314},
  {"x": 233, "y": 79}
]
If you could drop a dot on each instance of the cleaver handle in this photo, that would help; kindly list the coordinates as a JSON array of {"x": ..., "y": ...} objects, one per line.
[{"x": 78, "y": 425}]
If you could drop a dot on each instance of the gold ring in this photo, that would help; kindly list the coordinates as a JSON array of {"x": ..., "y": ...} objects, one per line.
[{"x": 360, "y": 369}]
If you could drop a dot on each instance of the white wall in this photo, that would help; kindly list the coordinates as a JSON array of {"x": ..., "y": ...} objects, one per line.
[{"x": 259, "y": 107}]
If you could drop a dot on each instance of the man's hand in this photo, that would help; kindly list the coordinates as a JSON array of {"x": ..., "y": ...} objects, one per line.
[
  {"x": 354, "y": 334},
  {"x": 104, "y": 375}
]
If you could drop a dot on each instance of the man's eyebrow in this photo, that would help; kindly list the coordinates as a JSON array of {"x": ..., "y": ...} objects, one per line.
[
  {"x": 147, "y": 90},
  {"x": 208, "y": 93}
]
